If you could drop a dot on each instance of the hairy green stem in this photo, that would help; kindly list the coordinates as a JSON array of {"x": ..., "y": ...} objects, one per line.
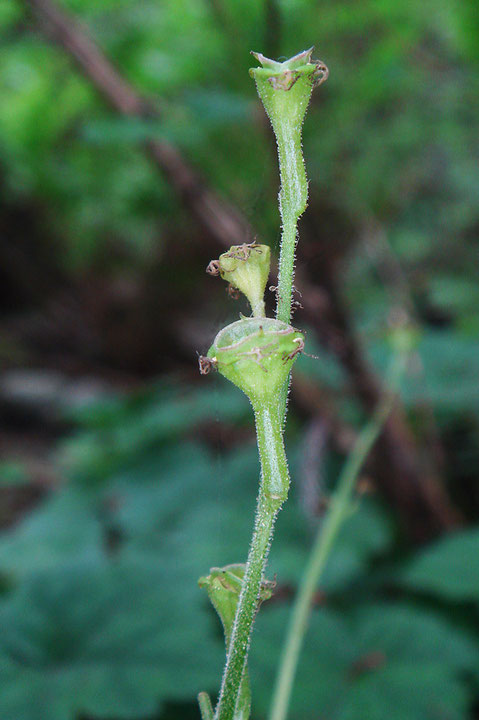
[
  {"x": 340, "y": 509},
  {"x": 288, "y": 241},
  {"x": 259, "y": 310},
  {"x": 285, "y": 90},
  {"x": 272, "y": 493},
  {"x": 293, "y": 197},
  {"x": 274, "y": 466}
]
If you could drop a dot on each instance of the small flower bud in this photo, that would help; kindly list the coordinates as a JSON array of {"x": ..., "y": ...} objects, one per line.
[{"x": 246, "y": 268}]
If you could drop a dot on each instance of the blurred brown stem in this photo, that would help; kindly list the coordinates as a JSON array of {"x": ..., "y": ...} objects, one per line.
[{"x": 218, "y": 217}]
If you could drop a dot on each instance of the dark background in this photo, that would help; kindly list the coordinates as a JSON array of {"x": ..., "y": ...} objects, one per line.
[{"x": 133, "y": 149}]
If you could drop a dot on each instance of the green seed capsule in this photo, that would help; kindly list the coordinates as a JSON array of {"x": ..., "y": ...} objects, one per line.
[{"x": 256, "y": 354}]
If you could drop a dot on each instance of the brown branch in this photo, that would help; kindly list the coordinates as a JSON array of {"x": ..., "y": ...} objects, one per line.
[
  {"x": 421, "y": 502},
  {"x": 220, "y": 220}
]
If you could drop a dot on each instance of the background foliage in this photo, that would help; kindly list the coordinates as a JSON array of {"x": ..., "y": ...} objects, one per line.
[{"x": 124, "y": 476}]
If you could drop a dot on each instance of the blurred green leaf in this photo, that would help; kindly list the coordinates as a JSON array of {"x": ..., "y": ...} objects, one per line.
[
  {"x": 365, "y": 534},
  {"x": 63, "y": 529},
  {"x": 380, "y": 661},
  {"x": 449, "y": 568},
  {"x": 13, "y": 473},
  {"x": 119, "y": 431},
  {"x": 442, "y": 374}
]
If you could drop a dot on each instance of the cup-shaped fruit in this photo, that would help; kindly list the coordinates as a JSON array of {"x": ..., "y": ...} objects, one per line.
[
  {"x": 257, "y": 354},
  {"x": 285, "y": 89}
]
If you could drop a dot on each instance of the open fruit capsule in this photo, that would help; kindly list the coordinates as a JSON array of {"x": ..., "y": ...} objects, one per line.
[{"x": 256, "y": 354}]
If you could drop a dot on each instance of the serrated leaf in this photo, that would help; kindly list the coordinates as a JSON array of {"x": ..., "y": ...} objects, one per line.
[
  {"x": 405, "y": 692},
  {"x": 406, "y": 632},
  {"x": 382, "y": 661},
  {"x": 365, "y": 533},
  {"x": 449, "y": 367},
  {"x": 63, "y": 529},
  {"x": 119, "y": 432},
  {"x": 103, "y": 639},
  {"x": 204, "y": 518}
]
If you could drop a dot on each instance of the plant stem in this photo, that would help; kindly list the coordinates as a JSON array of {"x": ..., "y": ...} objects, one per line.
[
  {"x": 292, "y": 202},
  {"x": 293, "y": 197},
  {"x": 340, "y": 509},
  {"x": 272, "y": 493},
  {"x": 274, "y": 465},
  {"x": 285, "y": 90}
]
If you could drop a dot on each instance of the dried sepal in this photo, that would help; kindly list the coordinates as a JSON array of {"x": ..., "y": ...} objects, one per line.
[{"x": 206, "y": 364}]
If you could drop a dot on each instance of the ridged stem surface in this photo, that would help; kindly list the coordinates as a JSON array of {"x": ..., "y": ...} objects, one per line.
[{"x": 272, "y": 493}]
